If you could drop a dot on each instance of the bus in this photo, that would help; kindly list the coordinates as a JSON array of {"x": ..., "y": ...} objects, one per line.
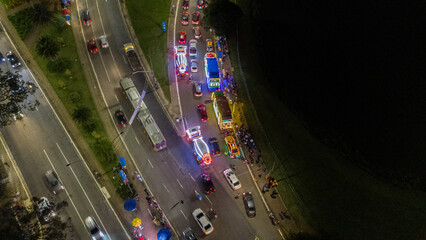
[
  {"x": 155, "y": 135},
  {"x": 212, "y": 72}
]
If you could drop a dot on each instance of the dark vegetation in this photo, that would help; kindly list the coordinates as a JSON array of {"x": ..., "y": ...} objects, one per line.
[{"x": 355, "y": 72}]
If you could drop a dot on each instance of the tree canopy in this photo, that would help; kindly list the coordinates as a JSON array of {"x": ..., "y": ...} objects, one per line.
[
  {"x": 223, "y": 16},
  {"x": 13, "y": 94}
]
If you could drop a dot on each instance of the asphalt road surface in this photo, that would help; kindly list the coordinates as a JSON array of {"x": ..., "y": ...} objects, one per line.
[
  {"x": 172, "y": 174},
  {"x": 39, "y": 143}
]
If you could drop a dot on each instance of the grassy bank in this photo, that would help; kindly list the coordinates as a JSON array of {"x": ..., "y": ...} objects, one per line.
[
  {"x": 146, "y": 17},
  {"x": 337, "y": 196}
]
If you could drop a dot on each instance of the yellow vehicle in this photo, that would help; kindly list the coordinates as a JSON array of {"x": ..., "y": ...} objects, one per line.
[{"x": 232, "y": 147}]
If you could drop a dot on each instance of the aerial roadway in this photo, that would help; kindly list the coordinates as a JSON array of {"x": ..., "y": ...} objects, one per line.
[
  {"x": 39, "y": 143},
  {"x": 173, "y": 173}
]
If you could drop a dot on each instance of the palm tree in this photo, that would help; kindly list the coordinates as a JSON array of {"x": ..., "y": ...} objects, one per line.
[
  {"x": 47, "y": 47},
  {"x": 42, "y": 13},
  {"x": 81, "y": 114}
]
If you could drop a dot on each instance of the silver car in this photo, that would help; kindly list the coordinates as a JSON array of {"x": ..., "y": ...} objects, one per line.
[
  {"x": 203, "y": 221},
  {"x": 54, "y": 182},
  {"x": 103, "y": 41},
  {"x": 194, "y": 65},
  {"x": 93, "y": 228}
]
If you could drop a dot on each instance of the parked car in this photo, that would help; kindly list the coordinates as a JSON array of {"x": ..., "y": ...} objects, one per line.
[
  {"x": 207, "y": 183},
  {"x": 197, "y": 32},
  {"x": 53, "y": 181},
  {"x": 2, "y": 58},
  {"x": 249, "y": 204},
  {"x": 209, "y": 45},
  {"x": 214, "y": 146},
  {"x": 196, "y": 17},
  {"x": 232, "y": 179},
  {"x": 185, "y": 18},
  {"x": 203, "y": 221},
  {"x": 86, "y": 17},
  {"x": 232, "y": 147},
  {"x": 194, "y": 65},
  {"x": 93, "y": 228},
  {"x": 188, "y": 234},
  {"x": 182, "y": 38},
  {"x": 91, "y": 46},
  {"x": 121, "y": 118},
  {"x": 202, "y": 111},
  {"x": 103, "y": 41},
  {"x": 14, "y": 61},
  {"x": 196, "y": 89}
]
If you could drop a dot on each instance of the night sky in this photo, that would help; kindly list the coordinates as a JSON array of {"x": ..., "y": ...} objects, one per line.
[{"x": 355, "y": 70}]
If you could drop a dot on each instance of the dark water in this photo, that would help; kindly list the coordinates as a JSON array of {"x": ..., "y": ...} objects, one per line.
[{"x": 356, "y": 68}]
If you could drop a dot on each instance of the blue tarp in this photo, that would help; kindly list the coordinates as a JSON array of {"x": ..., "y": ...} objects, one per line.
[
  {"x": 123, "y": 162},
  {"x": 123, "y": 176},
  {"x": 164, "y": 234},
  {"x": 130, "y": 204}
]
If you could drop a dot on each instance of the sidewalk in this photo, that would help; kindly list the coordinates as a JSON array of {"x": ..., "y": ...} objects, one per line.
[{"x": 274, "y": 204}]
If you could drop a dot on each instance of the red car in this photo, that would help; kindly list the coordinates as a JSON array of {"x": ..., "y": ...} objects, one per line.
[
  {"x": 182, "y": 37},
  {"x": 202, "y": 110},
  {"x": 91, "y": 45}
]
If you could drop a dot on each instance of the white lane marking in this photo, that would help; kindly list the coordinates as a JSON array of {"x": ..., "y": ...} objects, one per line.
[
  {"x": 116, "y": 98},
  {"x": 165, "y": 188},
  {"x": 209, "y": 200},
  {"x": 103, "y": 30},
  {"x": 152, "y": 166},
  {"x": 191, "y": 177},
  {"x": 65, "y": 189},
  {"x": 60, "y": 122},
  {"x": 183, "y": 214},
  {"x": 137, "y": 140},
  {"x": 179, "y": 183}
]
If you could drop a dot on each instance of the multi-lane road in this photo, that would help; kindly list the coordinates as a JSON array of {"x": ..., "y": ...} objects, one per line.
[{"x": 39, "y": 142}]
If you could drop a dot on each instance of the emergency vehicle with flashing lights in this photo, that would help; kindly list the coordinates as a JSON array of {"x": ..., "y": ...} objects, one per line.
[
  {"x": 181, "y": 61},
  {"x": 201, "y": 150}
]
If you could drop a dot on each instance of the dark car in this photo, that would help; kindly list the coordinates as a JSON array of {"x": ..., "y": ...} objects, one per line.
[
  {"x": 201, "y": 4},
  {"x": 214, "y": 146},
  {"x": 91, "y": 45},
  {"x": 202, "y": 110},
  {"x": 189, "y": 234},
  {"x": 185, "y": 5},
  {"x": 2, "y": 58},
  {"x": 86, "y": 17},
  {"x": 207, "y": 183},
  {"x": 196, "y": 18},
  {"x": 249, "y": 204},
  {"x": 54, "y": 182},
  {"x": 185, "y": 18},
  {"x": 13, "y": 59},
  {"x": 121, "y": 118}
]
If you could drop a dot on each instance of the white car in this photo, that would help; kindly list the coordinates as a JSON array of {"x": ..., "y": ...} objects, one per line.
[
  {"x": 103, "y": 41},
  {"x": 193, "y": 48},
  {"x": 194, "y": 65},
  {"x": 232, "y": 179},
  {"x": 203, "y": 221},
  {"x": 93, "y": 229}
]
